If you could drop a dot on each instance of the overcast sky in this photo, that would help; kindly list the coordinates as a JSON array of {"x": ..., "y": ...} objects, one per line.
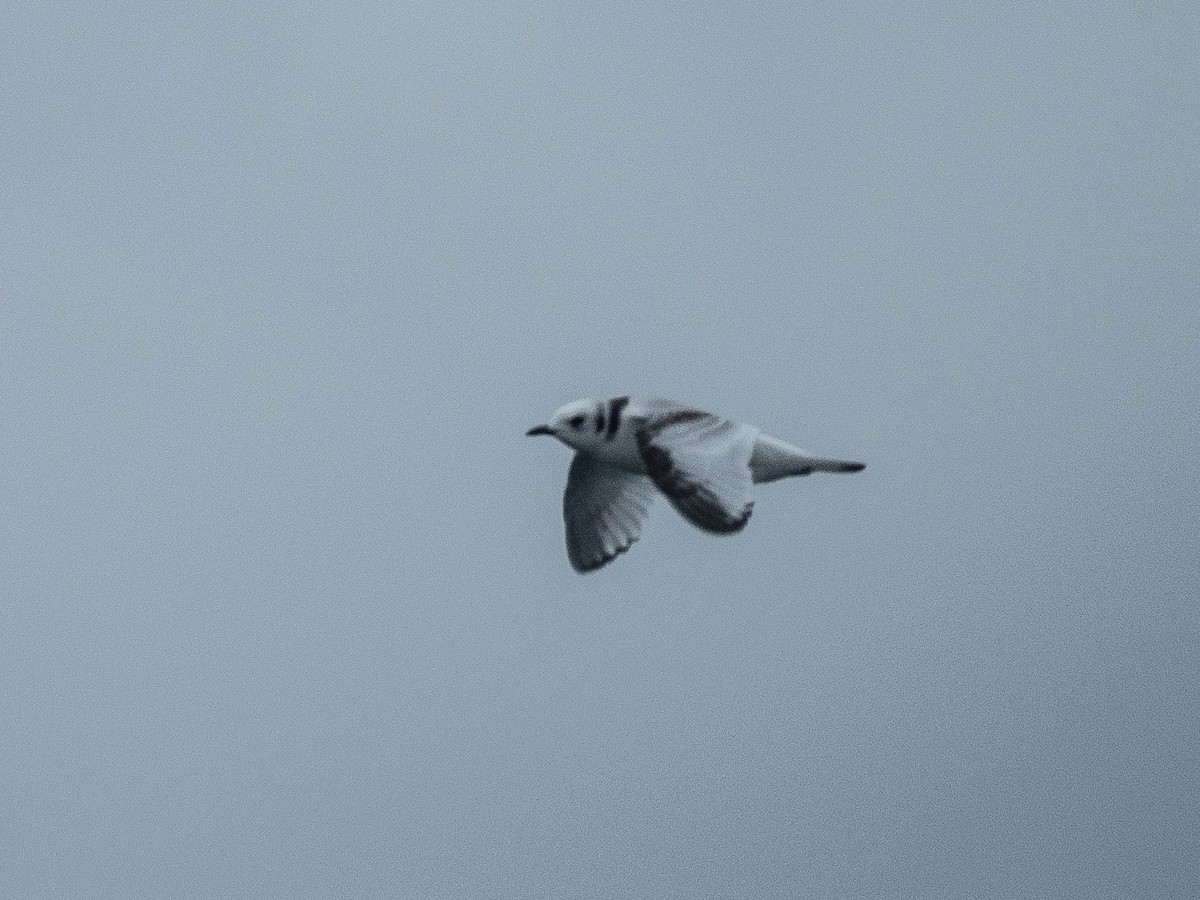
[{"x": 284, "y": 604}]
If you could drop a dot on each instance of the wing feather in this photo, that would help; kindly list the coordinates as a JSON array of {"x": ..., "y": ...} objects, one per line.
[
  {"x": 603, "y": 510},
  {"x": 702, "y": 463}
]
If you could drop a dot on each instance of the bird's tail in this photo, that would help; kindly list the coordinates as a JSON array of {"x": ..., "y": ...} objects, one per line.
[
  {"x": 774, "y": 459},
  {"x": 834, "y": 465}
]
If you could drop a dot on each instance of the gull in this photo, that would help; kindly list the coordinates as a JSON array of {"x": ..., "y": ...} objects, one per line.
[{"x": 629, "y": 449}]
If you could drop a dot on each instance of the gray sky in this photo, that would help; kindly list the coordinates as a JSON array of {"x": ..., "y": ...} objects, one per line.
[{"x": 285, "y": 608}]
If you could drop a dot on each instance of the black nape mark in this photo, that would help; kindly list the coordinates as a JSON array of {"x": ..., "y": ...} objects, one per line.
[
  {"x": 615, "y": 406},
  {"x": 599, "y": 419}
]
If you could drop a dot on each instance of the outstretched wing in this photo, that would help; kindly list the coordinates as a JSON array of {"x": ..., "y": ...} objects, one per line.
[
  {"x": 603, "y": 510},
  {"x": 702, "y": 463}
]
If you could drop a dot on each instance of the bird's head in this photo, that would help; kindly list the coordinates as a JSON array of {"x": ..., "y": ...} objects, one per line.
[{"x": 574, "y": 424}]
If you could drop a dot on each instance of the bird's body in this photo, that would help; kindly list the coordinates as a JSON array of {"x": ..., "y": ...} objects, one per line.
[{"x": 627, "y": 450}]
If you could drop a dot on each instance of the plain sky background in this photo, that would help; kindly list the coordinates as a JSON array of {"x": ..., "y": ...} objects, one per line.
[{"x": 284, "y": 605}]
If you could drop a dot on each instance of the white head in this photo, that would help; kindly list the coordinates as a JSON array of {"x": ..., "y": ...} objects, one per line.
[{"x": 580, "y": 424}]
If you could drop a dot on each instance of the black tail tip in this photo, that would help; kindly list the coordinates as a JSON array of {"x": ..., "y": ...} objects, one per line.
[{"x": 853, "y": 467}]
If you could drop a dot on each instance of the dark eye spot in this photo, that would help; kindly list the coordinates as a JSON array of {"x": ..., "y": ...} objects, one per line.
[{"x": 576, "y": 421}]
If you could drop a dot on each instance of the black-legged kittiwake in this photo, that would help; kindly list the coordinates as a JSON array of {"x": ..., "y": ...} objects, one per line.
[{"x": 626, "y": 447}]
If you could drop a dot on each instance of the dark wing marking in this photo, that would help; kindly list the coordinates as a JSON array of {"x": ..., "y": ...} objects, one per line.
[
  {"x": 702, "y": 463},
  {"x": 603, "y": 510}
]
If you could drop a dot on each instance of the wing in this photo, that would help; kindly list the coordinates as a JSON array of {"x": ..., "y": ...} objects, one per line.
[
  {"x": 603, "y": 510},
  {"x": 702, "y": 463}
]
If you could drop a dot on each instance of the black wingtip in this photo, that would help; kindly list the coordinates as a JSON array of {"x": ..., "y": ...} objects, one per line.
[
  {"x": 595, "y": 564},
  {"x": 853, "y": 467}
]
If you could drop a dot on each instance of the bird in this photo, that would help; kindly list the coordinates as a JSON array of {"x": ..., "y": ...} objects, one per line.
[{"x": 628, "y": 450}]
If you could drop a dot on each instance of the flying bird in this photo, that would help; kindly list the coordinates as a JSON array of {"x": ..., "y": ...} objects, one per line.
[{"x": 629, "y": 449}]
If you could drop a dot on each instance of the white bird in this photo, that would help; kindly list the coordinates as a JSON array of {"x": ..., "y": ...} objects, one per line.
[{"x": 625, "y": 448}]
